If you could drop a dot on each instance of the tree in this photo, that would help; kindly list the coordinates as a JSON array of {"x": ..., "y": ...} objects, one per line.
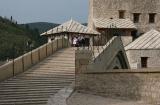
[{"x": 11, "y": 18}]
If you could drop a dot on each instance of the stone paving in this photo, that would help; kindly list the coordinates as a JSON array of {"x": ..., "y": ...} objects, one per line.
[{"x": 88, "y": 99}]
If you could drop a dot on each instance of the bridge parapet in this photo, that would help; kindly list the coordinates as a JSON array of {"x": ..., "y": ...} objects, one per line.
[{"x": 24, "y": 62}]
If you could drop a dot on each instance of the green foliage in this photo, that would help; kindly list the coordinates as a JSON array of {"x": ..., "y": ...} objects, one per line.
[
  {"x": 41, "y": 26},
  {"x": 14, "y": 39}
]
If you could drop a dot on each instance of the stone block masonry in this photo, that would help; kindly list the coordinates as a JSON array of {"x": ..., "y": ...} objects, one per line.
[
  {"x": 110, "y": 9},
  {"x": 134, "y": 58},
  {"x": 127, "y": 85}
]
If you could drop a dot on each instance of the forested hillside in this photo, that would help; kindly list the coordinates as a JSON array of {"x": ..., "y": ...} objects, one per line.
[
  {"x": 16, "y": 40},
  {"x": 41, "y": 26}
]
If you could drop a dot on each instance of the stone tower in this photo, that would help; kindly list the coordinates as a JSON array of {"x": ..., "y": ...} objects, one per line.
[{"x": 145, "y": 14}]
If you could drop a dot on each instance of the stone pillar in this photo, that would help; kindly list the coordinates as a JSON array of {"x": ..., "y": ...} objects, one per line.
[
  {"x": 70, "y": 39},
  {"x": 82, "y": 59},
  {"x": 49, "y": 40},
  {"x": 91, "y": 40}
]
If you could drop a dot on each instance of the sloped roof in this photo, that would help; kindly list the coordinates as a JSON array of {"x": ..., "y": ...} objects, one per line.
[
  {"x": 149, "y": 40},
  {"x": 114, "y": 23},
  {"x": 71, "y": 27}
]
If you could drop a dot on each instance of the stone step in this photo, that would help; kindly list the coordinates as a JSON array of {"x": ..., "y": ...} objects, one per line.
[
  {"x": 25, "y": 100},
  {"x": 34, "y": 84},
  {"x": 41, "y": 78},
  {"x": 47, "y": 75},
  {"x": 27, "y": 95},
  {"x": 19, "y": 93},
  {"x": 37, "y": 84},
  {"x": 68, "y": 56},
  {"x": 25, "y": 103},
  {"x": 49, "y": 70},
  {"x": 54, "y": 68},
  {"x": 59, "y": 61},
  {"x": 69, "y": 62},
  {"x": 58, "y": 64},
  {"x": 64, "y": 57},
  {"x": 66, "y": 52},
  {"x": 37, "y": 81},
  {"x": 24, "y": 97},
  {"x": 32, "y": 89},
  {"x": 56, "y": 72}
]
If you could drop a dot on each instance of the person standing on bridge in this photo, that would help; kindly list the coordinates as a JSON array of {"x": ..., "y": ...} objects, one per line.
[{"x": 75, "y": 41}]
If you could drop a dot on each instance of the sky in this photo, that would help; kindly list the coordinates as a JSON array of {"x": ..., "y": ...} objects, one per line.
[{"x": 55, "y": 11}]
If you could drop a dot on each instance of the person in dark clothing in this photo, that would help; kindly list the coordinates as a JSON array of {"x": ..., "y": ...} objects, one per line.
[{"x": 83, "y": 41}]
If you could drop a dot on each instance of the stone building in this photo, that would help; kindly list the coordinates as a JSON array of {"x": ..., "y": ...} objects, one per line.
[
  {"x": 114, "y": 27},
  {"x": 143, "y": 13},
  {"x": 144, "y": 52}
]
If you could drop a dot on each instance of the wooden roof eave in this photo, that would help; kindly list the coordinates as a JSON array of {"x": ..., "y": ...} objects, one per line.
[
  {"x": 102, "y": 28},
  {"x": 62, "y": 33}
]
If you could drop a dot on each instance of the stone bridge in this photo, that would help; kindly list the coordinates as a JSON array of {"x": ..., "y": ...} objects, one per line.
[{"x": 36, "y": 76}]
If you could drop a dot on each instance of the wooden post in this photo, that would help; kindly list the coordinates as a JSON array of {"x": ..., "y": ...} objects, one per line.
[
  {"x": 13, "y": 58},
  {"x": 62, "y": 41},
  {"x": 57, "y": 43},
  {"x": 39, "y": 54},
  {"x": 31, "y": 58},
  {"x": 23, "y": 63},
  {"x": 67, "y": 40},
  {"x": 13, "y": 67},
  {"x": 46, "y": 50},
  {"x": 93, "y": 43},
  {"x": 52, "y": 47}
]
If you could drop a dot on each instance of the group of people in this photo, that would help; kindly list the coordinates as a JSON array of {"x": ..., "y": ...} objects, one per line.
[{"x": 79, "y": 41}]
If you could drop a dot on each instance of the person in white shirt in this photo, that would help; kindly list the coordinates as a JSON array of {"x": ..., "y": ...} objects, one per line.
[{"x": 75, "y": 40}]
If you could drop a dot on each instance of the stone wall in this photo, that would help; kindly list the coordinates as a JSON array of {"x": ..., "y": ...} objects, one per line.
[
  {"x": 126, "y": 40},
  {"x": 138, "y": 85},
  {"x": 26, "y": 61},
  {"x": 110, "y": 9},
  {"x": 106, "y": 59},
  {"x": 134, "y": 58}
]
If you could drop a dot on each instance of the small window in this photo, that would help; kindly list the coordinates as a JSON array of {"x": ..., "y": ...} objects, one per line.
[
  {"x": 134, "y": 34},
  {"x": 136, "y": 17},
  {"x": 144, "y": 62},
  {"x": 122, "y": 14},
  {"x": 152, "y": 17}
]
